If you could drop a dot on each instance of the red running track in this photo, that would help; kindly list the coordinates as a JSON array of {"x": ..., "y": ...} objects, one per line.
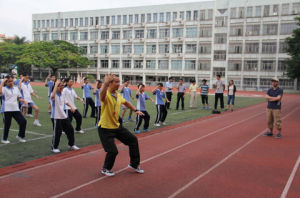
[{"x": 221, "y": 156}]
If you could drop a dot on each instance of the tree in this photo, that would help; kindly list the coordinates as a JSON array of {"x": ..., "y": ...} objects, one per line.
[
  {"x": 54, "y": 55},
  {"x": 9, "y": 53},
  {"x": 293, "y": 49},
  {"x": 17, "y": 40}
]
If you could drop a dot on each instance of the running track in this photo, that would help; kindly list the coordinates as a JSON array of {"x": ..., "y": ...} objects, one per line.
[{"x": 220, "y": 156}]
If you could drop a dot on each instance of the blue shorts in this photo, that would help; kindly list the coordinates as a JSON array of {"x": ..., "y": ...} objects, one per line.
[
  {"x": 230, "y": 98},
  {"x": 30, "y": 104}
]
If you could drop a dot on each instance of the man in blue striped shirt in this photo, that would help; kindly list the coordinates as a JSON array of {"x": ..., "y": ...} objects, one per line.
[
  {"x": 204, "y": 94},
  {"x": 160, "y": 105}
]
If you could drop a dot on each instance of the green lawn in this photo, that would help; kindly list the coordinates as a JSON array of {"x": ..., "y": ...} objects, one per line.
[{"x": 41, "y": 137}]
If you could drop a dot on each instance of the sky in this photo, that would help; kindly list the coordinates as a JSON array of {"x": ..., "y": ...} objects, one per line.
[{"x": 15, "y": 15}]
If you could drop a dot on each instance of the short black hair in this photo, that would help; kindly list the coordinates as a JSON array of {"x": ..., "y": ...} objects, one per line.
[
  {"x": 67, "y": 80},
  {"x": 85, "y": 78},
  {"x": 180, "y": 79},
  {"x": 193, "y": 80},
  {"x": 99, "y": 81},
  {"x": 126, "y": 80},
  {"x": 171, "y": 78},
  {"x": 218, "y": 75},
  {"x": 204, "y": 80},
  {"x": 141, "y": 84},
  {"x": 160, "y": 84}
]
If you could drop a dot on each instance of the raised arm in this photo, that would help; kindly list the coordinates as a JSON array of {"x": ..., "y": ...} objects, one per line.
[
  {"x": 130, "y": 106},
  {"x": 107, "y": 80},
  {"x": 55, "y": 89},
  {"x": 2, "y": 84},
  {"x": 46, "y": 81}
]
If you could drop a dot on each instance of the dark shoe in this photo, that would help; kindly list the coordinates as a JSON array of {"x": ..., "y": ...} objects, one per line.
[
  {"x": 278, "y": 135},
  {"x": 268, "y": 133}
]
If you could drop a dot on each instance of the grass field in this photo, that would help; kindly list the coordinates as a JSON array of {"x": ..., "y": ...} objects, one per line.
[{"x": 39, "y": 138}]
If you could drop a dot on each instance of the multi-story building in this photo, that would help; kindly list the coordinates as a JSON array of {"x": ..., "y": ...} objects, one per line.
[{"x": 240, "y": 39}]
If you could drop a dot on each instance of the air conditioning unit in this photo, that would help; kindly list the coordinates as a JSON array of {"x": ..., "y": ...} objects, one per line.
[{"x": 275, "y": 13}]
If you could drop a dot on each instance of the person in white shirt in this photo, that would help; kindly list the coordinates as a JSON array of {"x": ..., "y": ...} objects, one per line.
[
  {"x": 69, "y": 94},
  {"x": 10, "y": 109},
  {"x": 220, "y": 87},
  {"x": 60, "y": 119},
  {"x": 27, "y": 92}
]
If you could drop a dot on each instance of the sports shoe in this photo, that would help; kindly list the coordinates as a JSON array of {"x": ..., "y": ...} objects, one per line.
[
  {"x": 130, "y": 119},
  {"x": 80, "y": 131},
  {"x": 138, "y": 169},
  {"x": 268, "y": 133},
  {"x": 157, "y": 125},
  {"x": 146, "y": 130},
  {"x": 5, "y": 141},
  {"x": 29, "y": 115},
  {"x": 107, "y": 172},
  {"x": 278, "y": 135},
  {"x": 123, "y": 121},
  {"x": 20, "y": 139},
  {"x": 74, "y": 148},
  {"x": 55, "y": 151},
  {"x": 137, "y": 131},
  {"x": 37, "y": 123}
]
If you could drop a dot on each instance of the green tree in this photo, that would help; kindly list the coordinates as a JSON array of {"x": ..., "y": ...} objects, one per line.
[
  {"x": 9, "y": 53},
  {"x": 293, "y": 49},
  {"x": 54, "y": 55},
  {"x": 17, "y": 40}
]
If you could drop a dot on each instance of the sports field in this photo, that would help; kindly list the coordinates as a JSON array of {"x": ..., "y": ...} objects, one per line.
[{"x": 39, "y": 138}]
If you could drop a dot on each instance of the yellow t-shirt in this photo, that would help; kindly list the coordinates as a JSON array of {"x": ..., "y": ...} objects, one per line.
[
  {"x": 110, "y": 111},
  {"x": 193, "y": 88}
]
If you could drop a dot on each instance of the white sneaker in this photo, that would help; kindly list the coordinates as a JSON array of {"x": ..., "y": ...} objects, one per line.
[
  {"x": 29, "y": 115},
  {"x": 37, "y": 123},
  {"x": 5, "y": 141},
  {"x": 21, "y": 139},
  {"x": 107, "y": 172},
  {"x": 55, "y": 150},
  {"x": 74, "y": 148},
  {"x": 157, "y": 125},
  {"x": 80, "y": 131},
  {"x": 138, "y": 169}
]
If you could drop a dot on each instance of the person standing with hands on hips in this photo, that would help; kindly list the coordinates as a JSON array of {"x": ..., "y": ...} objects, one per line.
[
  {"x": 220, "y": 87},
  {"x": 110, "y": 127},
  {"x": 169, "y": 93}
]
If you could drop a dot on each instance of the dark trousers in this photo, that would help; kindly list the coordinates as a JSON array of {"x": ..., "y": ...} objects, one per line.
[
  {"x": 161, "y": 113},
  {"x": 77, "y": 117},
  {"x": 17, "y": 115},
  {"x": 88, "y": 102},
  {"x": 169, "y": 96},
  {"x": 60, "y": 125},
  {"x": 204, "y": 99},
  {"x": 29, "y": 111},
  {"x": 180, "y": 96},
  {"x": 107, "y": 137},
  {"x": 140, "y": 118},
  {"x": 221, "y": 97},
  {"x": 98, "y": 114}
]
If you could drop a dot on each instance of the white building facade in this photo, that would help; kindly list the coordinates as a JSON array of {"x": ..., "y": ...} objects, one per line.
[{"x": 241, "y": 40}]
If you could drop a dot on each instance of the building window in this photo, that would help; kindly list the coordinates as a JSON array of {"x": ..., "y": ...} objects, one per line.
[
  {"x": 191, "y": 32},
  {"x": 251, "y": 65},
  {"x": 163, "y": 64},
  {"x": 126, "y": 64},
  {"x": 54, "y": 36},
  {"x": 176, "y": 64},
  {"x": 148, "y": 18},
  {"x": 104, "y": 49},
  {"x": 283, "y": 46},
  {"x": 71, "y": 23},
  {"x": 205, "y": 32},
  {"x": 202, "y": 15},
  {"x": 155, "y": 18},
  {"x": 234, "y": 65},
  {"x": 288, "y": 28},
  {"x": 124, "y": 19},
  {"x": 188, "y": 15},
  {"x": 177, "y": 32},
  {"x": 113, "y": 20},
  {"x": 265, "y": 83},
  {"x": 48, "y": 23},
  {"x": 139, "y": 34},
  {"x": 174, "y": 16},
  {"x": 136, "y": 18},
  {"x": 93, "y": 49},
  {"x": 250, "y": 82},
  {"x": 163, "y": 48},
  {"x": 164, "y": 33},
  {"x": 43, "y": 23},
  {"x": 296, "y": 8},
  {"x": 45, "y": 36},
  {"x": 204, "y": 65},
  {"x": 142, "y": 18},
  {"x": 177, "y": 48},
  {"x": 270, "y": 29},
  {"x": 151, "y": 33},
  {"x": 56, "y": 23},
  {"x": 275, "y": 10},
  {"x": 258, "y": 11},
  {"x": 34, "y": 24},
  {"x": 138, "y": 49},
  {"x": 190, "y": 65},
  {"x": 219, "y": 71},
  {"x": 116, "y": 35},
  {"x": 130, "y": 19},
  {"x": 236, "y": 31},
  {"x": 83, "y": 49},
  {"x": 191, "y": 48},
  {"x": 150, "y": 64},
  {"x": 181, "y": 15},
  {"x": 86, "y": 22},
  {"x": 235, "y": 48},
  {"x": 161, "y": 17},
  {"x": 252, "y": 48},
  {"x": 286, "y": 83},
  {"x": 81, "y": 22},
  {"x": 97, "y": 21},
  {"x": 104, "y": 35},
  {"x": 138, "y": 64},
  {"x": 107, "y": 20},
  {"x": 93, "y": 35},
  {"x": 220, "y": 38},
  {"x": 266, "y": 10},
  {"x": 281, "y": 66},
  {"x": 253, "y": 30},
  {"x": 119, "y": 20},
  {"x": 115, "y": 49},
  {"x": 241, "y": 13},
  {"x": 204, "y": 48},
  {"x": 151, "y": 49},
  {"x": 52, "y": 23},
  {"x": 195, "y": 17},
  {"x": 268, "y": 65},
  {"x": 115, "y": 64},
  {"x": 285, "y": 9},
  {"x": 127, "y": 34},
  {"x": 91, "y": 21},
  {"x": 233, "y": 13},
  {"x": 269, "y": 47},
  {"x": 168, "y": 16},
  {"x": 220, "y": 55},
  {"x": 73, "y": 36},
  {"x": 64, "y": 36},
  {"x": 249, "y": 12},
  {"x": 127, "y": 49},
  {"x": 104, "y": 63},
  {"x": 221, "y": 22}
]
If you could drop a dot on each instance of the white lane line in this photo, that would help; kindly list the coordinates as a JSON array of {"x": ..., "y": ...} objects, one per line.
[
  {"x": 290, "y": 180},
  {"x": 160, "y": 154},
  {"x": 222, "y": 161},
  {"x": 140, "y": 139},
  {"x": 30, "y": 132},
  {"x": 28, "y": 140}
]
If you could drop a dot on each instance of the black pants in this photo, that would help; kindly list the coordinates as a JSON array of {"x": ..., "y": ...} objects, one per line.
[
  {"x": 29, "y": 112},
  {"x": 98, "y": 114},
  {"x": 139, "y": 120},
  {"x": 161, "y": 113},
  {"x": 77, "y": 117},
  {"x": 204, "y": 99},
  {"x": 87, "y": 102},
  {"x": 221, "y": 97},
  {"x": 169, "y": 96},
  {"x": 180, "y": 96},
  {"x": 107, "y": 137},
  {"x": 60, "y": 125},
  {"x": 17, "y": 115}
]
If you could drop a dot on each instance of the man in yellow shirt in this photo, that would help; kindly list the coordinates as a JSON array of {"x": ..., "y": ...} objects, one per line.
[{"x": 109, "y": 126}]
